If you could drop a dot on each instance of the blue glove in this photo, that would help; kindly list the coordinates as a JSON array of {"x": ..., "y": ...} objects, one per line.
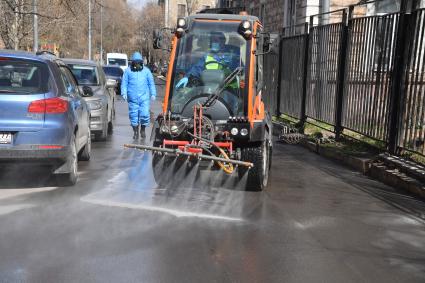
[
  {"x": 153, "y": 98},
  {"x": 124, "y": 96},
  {"x": 182, "y": 83}
]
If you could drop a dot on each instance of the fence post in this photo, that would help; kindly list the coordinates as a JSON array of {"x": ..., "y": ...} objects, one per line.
[
  {"x": 397, "y": 79},
  {"x": 341, "y": 72},
  {"x": 279, "y": 76},
  {"x": 303, "y": 116}
]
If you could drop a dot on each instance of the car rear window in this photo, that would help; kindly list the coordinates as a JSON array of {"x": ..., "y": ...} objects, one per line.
[
  {"x": 116, "y": 61},
  {"x": 113, "y": 71},
  {"x": 85, "y": 74},
  {"x": 20, "y": 76}
]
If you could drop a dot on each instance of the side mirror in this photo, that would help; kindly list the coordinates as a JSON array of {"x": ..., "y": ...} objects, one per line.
[
  {"x": 266, "y": 42},
  {"x": 87, "y": 91},
  {"x": 111, "y": 83},
  {"x": 157, "y": 39}
]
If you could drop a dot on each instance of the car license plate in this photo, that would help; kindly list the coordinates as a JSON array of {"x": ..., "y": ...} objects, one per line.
[{"x": 5, "y": 138}]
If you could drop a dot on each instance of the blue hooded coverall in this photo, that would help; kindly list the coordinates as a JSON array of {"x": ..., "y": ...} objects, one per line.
[{"x": 138, "y": 88}]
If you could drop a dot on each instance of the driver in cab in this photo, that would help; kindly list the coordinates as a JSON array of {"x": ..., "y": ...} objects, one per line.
[{"x": 218, "y": 57}]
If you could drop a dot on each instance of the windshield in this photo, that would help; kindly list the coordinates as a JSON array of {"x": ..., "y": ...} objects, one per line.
[
  {"x": 206, "y": 55},
  {"x": 116, "y": 61},
  {"x": 113, "y": 71},
  {"x": 23, "y": 76},
  {"x": 85, "y": 75}
]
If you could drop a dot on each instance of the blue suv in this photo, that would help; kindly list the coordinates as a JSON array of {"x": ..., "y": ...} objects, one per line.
[{"x": 43, "y": 118}]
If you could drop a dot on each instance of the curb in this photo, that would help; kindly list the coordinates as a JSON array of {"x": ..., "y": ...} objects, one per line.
[
  {"x": 360, "y": 164},
  {"x": 371, "y": 167},
  {"x": 395, "y": 178}
]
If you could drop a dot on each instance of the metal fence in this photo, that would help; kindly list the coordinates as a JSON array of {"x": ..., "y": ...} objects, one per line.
[
  {"x": 324, "y": 46},
  {"x": 292, "y": 76},
  {"x": 412, "y": 122},
  {"x": 371, "y": 47},
  {"x": 365, "y": 74}
]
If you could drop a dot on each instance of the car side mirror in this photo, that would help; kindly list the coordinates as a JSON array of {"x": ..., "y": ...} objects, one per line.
[
  {"x": 266, "y": 42},
  {"x": 87, "y": 91},
  {"x": 111, "y": 83},
  {"x": 157, "y": 39}
]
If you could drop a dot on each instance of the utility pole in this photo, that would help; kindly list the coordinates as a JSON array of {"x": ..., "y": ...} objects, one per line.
[
  {"x": 89, "y": 29},
  {"x": 324, "y": 8},
  {"x": 167, "y": 6},
  {"x": 101, "y": 31},
  {"x": 35, "y": 28}
]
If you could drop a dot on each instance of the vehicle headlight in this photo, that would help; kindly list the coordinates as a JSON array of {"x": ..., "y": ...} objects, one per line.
[
  {"x": 94, "y": 104},
  {"x": 244, "y": 132},
  {"x": 234, "y": 131},
  {"x": 174, "y": 129}
]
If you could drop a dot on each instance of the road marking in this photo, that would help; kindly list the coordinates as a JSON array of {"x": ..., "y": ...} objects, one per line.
[
  {"x": 9, "y": 193},
  {"x": 176, "y": 213},
  {"x": 6, "y": 209}
]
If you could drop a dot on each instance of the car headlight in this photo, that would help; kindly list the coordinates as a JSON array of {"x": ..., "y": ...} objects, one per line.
[{"x": 95, "y": 104}]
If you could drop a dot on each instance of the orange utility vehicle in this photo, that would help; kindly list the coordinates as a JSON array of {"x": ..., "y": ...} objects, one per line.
[{"x": 213, "y": 108}]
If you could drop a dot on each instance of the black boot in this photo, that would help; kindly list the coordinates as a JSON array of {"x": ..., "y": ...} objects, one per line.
[
  {"x": 135, "y": 132},
  {"x": 142, "y": 132}
]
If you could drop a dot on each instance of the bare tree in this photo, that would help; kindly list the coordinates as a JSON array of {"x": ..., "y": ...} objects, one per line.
[
  {"x": 150, "y": 18},
  {"x": 65, "y": 23},
  {"x": 191, "y": 6}
]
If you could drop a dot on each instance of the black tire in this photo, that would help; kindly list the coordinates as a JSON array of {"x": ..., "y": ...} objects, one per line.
[
  {"x": 70, "y": 179},
  {"x": 110, "y": 128},
  {"x": 103, "y": 135},
  {"x": 258, "y": 175},
  {"x": 84, "y": 154}
]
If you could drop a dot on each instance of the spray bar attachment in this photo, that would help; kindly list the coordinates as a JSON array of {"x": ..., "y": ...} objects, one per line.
[{"x": 178, "y": 152}]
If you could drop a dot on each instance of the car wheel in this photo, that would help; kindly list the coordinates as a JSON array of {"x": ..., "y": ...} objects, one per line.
[
  {"x": 85, "y": 152},
  {"x": 104, "y": 133},
  {"x": 70, "y": 179}
]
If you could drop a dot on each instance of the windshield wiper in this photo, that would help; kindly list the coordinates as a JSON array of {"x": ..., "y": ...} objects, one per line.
[{"x": 213, "y": 97}]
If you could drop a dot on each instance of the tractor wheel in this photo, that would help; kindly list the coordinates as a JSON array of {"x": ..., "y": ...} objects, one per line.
[{"x": 258, "y": 175}]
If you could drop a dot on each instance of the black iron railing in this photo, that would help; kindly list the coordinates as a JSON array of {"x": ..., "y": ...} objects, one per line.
[{"x": 361, "y": 73}]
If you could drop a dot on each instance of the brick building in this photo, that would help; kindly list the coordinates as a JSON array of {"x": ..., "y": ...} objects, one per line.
[{"x": 276, "y": 14}]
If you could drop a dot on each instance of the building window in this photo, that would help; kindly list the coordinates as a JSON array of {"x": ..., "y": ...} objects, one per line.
[{"x": 181, "y": 11}]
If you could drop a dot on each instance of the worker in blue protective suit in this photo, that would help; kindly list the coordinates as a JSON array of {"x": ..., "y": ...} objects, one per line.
[{"x": 138, "y": 88}]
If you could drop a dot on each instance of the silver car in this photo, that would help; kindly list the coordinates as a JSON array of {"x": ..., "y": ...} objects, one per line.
[{"x": 100, "y": 95}]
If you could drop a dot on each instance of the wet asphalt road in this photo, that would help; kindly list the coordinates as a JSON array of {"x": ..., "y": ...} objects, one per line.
[{"x": 316, "y": 222}]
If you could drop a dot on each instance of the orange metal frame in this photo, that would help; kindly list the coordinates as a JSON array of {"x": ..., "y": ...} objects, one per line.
[{"x": 255, "y": 108}]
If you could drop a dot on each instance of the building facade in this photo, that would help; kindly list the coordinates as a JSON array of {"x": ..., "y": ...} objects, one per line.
[
  {"x": 174, "y": 9},
  {"x": 276, "y": 14},
  {"x": 230, "y": 3}
]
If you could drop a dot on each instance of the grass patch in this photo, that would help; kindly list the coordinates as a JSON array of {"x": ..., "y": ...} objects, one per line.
[
  {"x": 415, "y": 157},
  {"x": 354, "y": 147}
]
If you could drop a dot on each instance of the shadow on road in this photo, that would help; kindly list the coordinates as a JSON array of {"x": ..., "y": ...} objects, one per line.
[{"x": 16, "y": 176}]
